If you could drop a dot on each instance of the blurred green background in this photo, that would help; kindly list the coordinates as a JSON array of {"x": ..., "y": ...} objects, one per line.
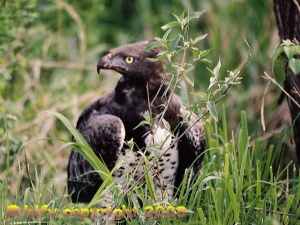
[{"x": 48, "y": 55}]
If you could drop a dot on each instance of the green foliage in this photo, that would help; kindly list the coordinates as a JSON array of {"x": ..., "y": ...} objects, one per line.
[
  {"x": 182, "y": 52},
  {"x": 49, "y": 50},
  {"x": 15, "y": 18},
  {"x": 286, "y": 52},
  {"x": 239, "y": 185},
  {"x": 13, "y": 24}
]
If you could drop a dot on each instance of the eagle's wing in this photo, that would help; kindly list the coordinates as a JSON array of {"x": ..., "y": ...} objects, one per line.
[{"x": 105, "y": 134}]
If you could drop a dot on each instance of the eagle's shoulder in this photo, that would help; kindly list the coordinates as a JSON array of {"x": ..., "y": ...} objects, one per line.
[{"x": 100, "y": 106}]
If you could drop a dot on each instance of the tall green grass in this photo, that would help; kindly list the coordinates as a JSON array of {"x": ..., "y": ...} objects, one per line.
[{"x": 236, "y": 185}]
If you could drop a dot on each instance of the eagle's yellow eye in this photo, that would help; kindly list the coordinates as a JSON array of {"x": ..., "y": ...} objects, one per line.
[{"x": 129, "y": 59}]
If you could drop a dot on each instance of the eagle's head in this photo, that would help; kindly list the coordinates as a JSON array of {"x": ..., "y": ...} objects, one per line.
[{"x": 132, "y": 62}]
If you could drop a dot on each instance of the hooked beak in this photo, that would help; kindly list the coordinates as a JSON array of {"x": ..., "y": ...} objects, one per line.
[{"x": 104, "y": 63}]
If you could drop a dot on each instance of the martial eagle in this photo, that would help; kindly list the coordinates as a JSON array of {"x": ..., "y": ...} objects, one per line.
[{"x": 113, "y": 119}]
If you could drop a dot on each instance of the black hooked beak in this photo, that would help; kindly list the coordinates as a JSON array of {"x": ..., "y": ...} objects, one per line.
[{"x": 104, "y": 63}]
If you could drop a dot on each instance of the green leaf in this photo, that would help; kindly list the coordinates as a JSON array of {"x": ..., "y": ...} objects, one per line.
[
  {"x": 200, "y": 95},
  {"x": 151, "y": 46},
  {"x": 183, "y": 184},
  {"x": 190, "y": 68},
  {"x": 212, "y": 110},
  {"x": 153, "y": 59},
  {"x": 189, "y": 79},
  {"x": 194, "y": 15},
  {"x": 166, "y": 34},
  {"x": 143, "y": 122},
  {"x": 174, "y": 43},
  {"x": 202, "y": 216},
  {"x": 204, "y": 53},
  {"x": 84, "y": 149},
  {"x": 209, "y": 70},
  {"x": 166, "y": 124},
  {"x": 200, "y": 38},
  {"x": 196, "y": 53},
  {"x": 205, "y": 60},
  {"x": 289, "y": 51},
  {"x": 179, "y": 18},
  {"x": 170, "y": 25},
  {"x": 78, "y": 137},
  {"x": 129, "y": 143},
  {"x": 287, "y": 42},
  {"x": 289, "y": 48},
  {"x": 217, "y": 68},
  {"x": 287, "y": 207},
  {"x": 294, "y": 64}
]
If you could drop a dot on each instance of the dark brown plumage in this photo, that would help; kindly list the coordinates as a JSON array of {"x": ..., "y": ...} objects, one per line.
[{"x": 113, "y": 119}]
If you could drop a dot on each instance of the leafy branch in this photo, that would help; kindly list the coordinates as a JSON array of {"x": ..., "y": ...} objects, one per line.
[{"x": 287, "y": 53}]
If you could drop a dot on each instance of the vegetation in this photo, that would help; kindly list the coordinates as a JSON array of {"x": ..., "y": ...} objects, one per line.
[{"x": 49, "y": 50}]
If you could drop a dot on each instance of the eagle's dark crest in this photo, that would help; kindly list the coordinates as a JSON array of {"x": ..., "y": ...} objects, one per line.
[{"x": 113, "y": 119}]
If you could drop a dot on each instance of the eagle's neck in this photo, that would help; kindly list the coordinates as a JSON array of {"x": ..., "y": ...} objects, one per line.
[
  {"x": 132, "y": 95},
  {"x": 128, "y": 88}
]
